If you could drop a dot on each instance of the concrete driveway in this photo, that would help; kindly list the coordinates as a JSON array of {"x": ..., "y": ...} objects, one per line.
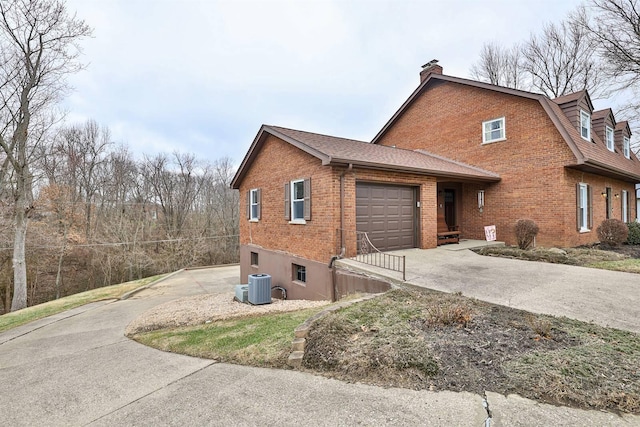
[
  {"x": 77, "y": 368},
  {"x": 608, "y": 298}
]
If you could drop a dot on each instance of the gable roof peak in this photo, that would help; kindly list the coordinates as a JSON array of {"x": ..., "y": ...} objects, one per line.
[{"x": 575, "y": 97}]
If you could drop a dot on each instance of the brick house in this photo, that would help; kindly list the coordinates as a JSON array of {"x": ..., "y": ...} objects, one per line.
[{"x": 458, "y": 151}]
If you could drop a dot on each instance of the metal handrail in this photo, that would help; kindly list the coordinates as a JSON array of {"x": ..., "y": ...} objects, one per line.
[{"x": 367, "y": 253}]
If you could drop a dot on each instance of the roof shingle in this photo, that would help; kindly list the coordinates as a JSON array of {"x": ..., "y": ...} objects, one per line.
[{"x": 344, "y": 151}]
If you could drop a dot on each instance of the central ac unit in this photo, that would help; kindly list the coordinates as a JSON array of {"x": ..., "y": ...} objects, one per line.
[{"x": 259, "y": 289}]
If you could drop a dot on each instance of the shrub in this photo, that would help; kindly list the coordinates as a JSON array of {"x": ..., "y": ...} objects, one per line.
[
  {"x": 612, "y": 232},
  {"x": 526, "y": 231},
  {"x": 634, "y": 233},
  {"x": 540, "y": 325},
  {"x": 449, "y": 314}
]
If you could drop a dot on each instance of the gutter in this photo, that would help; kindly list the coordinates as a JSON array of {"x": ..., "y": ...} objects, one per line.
[
  {"x": 416, "y": 170},
  {"x": 622, "y": 175},
  {"x": 343, "y": 248}
]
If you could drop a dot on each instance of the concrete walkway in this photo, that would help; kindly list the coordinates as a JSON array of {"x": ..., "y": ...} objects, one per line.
[
  {"x": 608, "y": 298},
  {"x": 77, "y": 368}
]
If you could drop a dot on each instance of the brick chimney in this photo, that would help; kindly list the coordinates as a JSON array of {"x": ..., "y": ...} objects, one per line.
[{"x": 430, "y": 67}]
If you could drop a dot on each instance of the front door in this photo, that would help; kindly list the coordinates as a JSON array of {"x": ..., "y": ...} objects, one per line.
[{"x": 450, "y": 207}]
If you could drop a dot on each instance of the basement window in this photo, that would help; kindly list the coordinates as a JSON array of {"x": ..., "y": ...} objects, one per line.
[
  {"x": 254, "y": 259},
  {"x": 299, "y": 273}
]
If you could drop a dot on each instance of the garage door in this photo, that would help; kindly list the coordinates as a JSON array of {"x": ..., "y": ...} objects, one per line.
[{"x": 387, "y": 214}]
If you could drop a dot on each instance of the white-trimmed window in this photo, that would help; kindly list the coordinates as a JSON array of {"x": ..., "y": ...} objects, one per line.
[
  {"x": 253, "y": 204},
  {"x": 608, "y": 134},
  {"x": 625, "y": 206},
  {"x": 297, "y": 200},
  {"x": 583, "y": 207},
  {"x": 626, "y": 143},
  {"x": 585, "y": 125},
  {"x": 493, "y": 130}
]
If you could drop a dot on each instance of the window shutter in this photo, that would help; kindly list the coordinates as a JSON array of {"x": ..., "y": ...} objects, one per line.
[
  {"x": 590, "y": 204},
  {"x": 307, "y": 199},
  {"x": 249, "y": 204},
  {"x": 578, "y": 206},
  {"x": 259, "y": 197},
  {"x": 287, "y": 203}
]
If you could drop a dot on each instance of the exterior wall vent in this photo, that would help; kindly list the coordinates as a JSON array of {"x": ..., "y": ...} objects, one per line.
[{"x": 259, "y": 289}]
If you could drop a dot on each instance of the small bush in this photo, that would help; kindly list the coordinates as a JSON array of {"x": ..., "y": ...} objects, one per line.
[
  {"x": 449, "y": 314},
  {"x": 612, "y": 232},
  {"x": 540, "y": 325},
  {"x": 526, "y": 231},
  {"x": 634, "y": 233}
]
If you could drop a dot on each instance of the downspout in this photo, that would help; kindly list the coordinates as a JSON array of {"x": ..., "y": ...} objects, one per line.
[{"x": 342, "y": 238}]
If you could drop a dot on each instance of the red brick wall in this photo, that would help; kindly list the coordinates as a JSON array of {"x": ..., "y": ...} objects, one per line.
[
  {"x": 447, "y": 120},
  {"x": 598, "y": 184},
  {"x": 276, "y": 164},
  {"x": 279, "y": 162}
]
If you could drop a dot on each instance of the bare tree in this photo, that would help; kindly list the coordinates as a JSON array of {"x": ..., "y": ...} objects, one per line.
[
  {"x": 38, "y": 41},
  {"x": 615, "y": 26},
  {"x": 500, "y": 66},
  {"x": 563, "y": 60},
  {"x": 175, "y": 186}
]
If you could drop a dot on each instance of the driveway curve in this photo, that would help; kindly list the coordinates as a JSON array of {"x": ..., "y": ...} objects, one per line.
[
  {"x": 608, "y": 298},
  {"x": 77, "y": 368}
]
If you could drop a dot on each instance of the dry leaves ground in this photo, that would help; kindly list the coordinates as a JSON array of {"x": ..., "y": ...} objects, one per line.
[{"x": 435, "y": 341}]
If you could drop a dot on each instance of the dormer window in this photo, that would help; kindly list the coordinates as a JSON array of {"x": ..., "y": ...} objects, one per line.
[
  {"x": 609, "y": 138},
  {"x": 585, "y": 125},
  {"x": 627, "y": 147}
]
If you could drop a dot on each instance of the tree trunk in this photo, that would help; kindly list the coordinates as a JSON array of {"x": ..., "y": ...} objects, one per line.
[
  {"x": 60, "y": 258},
  {"x": 19, "y": 265}
]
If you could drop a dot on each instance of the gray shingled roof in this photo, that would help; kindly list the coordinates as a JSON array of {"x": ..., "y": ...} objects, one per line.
[
  {"x": 339, "y": 151},
  {"x": 342, "y": 152}
]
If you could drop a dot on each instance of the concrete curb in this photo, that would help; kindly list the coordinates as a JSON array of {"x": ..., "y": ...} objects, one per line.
[
  {"x": 204, "y": 267},
  {"x": 302, "y": 331},
  {"x": 147, "y": 286}
]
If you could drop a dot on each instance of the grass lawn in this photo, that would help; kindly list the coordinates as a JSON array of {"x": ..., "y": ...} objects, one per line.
[
  {"x": 29, "y": 314},
  {"x": 631, "y": 265},
  {"x": 256, "y": 341},
  {"x": 435, "y": 341},
  {"x": 623, "y": 258},
  {"x": 423, "y": 339}
]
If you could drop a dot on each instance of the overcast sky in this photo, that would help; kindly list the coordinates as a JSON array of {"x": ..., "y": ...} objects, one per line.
[{"x": 201, "y": 76}]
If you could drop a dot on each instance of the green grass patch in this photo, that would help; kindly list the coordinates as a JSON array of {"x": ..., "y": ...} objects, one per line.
[
  {"x": 29, "y": 314},
  {"x": 602, "y": 372},
  {"x": 631, "y": 265},
  {"x": 256, "y": 341}
]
